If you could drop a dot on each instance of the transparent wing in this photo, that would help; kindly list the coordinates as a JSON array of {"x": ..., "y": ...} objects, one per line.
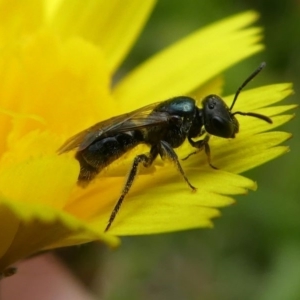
[{"x": 141, "y": 118}]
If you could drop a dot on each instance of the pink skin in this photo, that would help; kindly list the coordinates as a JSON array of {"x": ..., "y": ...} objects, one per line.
[{"x": 43, "y": 277}]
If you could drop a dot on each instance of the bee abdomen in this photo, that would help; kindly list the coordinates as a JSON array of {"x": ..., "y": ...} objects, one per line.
[{"x": 103, "y": 152}]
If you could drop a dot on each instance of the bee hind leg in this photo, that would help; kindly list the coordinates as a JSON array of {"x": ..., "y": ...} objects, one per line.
[{"x": 146, "y": 160}]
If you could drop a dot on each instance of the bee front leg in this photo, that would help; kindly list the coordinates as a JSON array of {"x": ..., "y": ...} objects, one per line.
[
  {"x": 146, "y": 160},
  {"x": 199, "y": 145}
]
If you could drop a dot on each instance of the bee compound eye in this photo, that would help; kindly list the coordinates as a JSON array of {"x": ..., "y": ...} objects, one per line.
[
  {"x": 218, "y": 123},
  {"x": 221, "y": 127}
]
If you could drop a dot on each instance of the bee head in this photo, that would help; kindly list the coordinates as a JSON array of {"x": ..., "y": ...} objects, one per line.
[{"x": 218, "y": 118}]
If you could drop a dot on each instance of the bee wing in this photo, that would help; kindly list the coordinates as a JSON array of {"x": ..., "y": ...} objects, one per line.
[
  {"x": 87, "y": 136},
  {"x": 141, "y": 118}
]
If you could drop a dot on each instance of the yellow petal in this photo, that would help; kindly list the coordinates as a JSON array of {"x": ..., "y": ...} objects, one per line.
[
  {"x": 5, "y": 127},
  {"x": 190, "y": 62},
  {"x": 69, "y": 78},
  {"x": 114, "y": 24},
  {"x": 256, "y": 98},
  {"x": 163, "y": 202},
  {"x": 36, "y": 227},
  {"x": 51, "y": 7},
  {"x": 159, "y": 196},
  {"x": 213, "y": 86},
  {"x": 48, "y": 180},
  {"x": 247, "y": 153},
  {"x": 31, "y": 172},
  {"x": 18, "y": 19}
]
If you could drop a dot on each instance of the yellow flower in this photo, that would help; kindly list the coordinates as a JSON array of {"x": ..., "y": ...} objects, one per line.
[{"x": 56, "y": 68}]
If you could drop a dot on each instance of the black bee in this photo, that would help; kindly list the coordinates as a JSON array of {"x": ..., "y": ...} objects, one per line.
[{"x": 162, "y": 126}]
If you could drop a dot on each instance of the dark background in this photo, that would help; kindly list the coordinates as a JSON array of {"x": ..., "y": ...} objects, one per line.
[{"x": 254, "y": 250}]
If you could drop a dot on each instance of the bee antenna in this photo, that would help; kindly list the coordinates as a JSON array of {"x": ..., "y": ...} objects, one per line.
[{"x": 262, "y": 65}]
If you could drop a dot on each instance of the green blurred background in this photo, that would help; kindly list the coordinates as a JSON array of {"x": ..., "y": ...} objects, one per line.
[{"x": 254, "y": 250}]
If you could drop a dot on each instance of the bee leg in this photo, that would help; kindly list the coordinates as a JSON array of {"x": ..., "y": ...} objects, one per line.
[
  {"x": 146, "y": 160},
  {"x": 166, "y": 151},
  {"x": 199, "y": 145},
  {"x": 207, "y": 152},
  {"x": 189, "y": 155}
]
